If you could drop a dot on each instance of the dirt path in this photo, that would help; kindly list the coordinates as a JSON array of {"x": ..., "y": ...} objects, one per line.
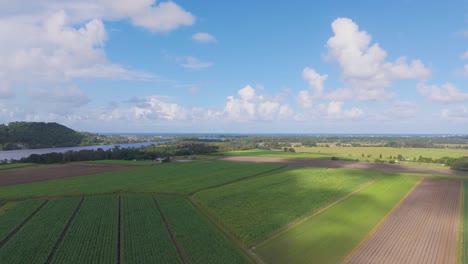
[
  {"x": 344, "y": 164},
  {"x": 423, "y": 229},
  {"x": 35, "y": 174}
]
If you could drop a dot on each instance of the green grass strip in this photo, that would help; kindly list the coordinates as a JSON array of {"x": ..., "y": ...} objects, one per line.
[
  {"x": 38, "y": 237},
  {"x": 201, "y": 242},
  {"x": 92, "y": 237},
  {"x": 13, "y": 214},
  {"x": 331, "y": 235},
  {"x": 145, "y": 238},
  {"x": 16, "y": 166}
]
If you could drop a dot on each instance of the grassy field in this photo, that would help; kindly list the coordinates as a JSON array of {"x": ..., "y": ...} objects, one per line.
[
  {"x": 122, "y": 162},
  {"x": 179, "y": 178},
  {"x": 141, "y": 224},
  {"x": 198, "y": 238},
  {"x": 386, "y": 152},
  {"x": 16, "y": 166},
  {"x": 254, "y": 208},
  {"x": 332, "y": 234},
  {"x": 356, "y": 153},
  {"x": 36, "y": 240},
  {"x": 275, "y": 154}
]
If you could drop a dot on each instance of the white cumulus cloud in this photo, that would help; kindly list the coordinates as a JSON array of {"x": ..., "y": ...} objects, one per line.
[
  {"x": 203, "y": 37},
  {"x": 364, "y": 68},
  {"x": 445, "y": 93}
]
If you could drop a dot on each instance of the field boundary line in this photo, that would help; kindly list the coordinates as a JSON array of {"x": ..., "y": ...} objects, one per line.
[
  {"x": 65, "y": 230},
  {"x": 312, "y": 214},
  {"x": 225, "y": 230},
  {"x": 461, "y": 229},
  {"x": 18, "y": 228},
  {"x": 171, "y": 232},
  {"x": 119, "y": 232},
  {"x": 376, "y": 227},
  {"x": 260, "y": 174}
]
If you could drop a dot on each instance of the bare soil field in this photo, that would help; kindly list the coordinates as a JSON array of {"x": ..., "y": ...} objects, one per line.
[
  {"x": 35, "y": 174},
  {"x": 344, "y": 164},
  {"x": 423, "y": 229}
]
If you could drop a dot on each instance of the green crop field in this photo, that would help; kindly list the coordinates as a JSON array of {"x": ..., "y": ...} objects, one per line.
[
  {"x": 275, "y": 154},
  {"x": 332, "y": 234},
  {"x": 145, "y": 238},
  {"x": 122, "y": 162},
  {"x": 13, "y": 214},
  {"x": 36, "y": 240},
  {"x": 16, "y": 166},
  {"x": 254, "y": 208},
  {"x": 199, "y": 240},
  {"x": 92, "y": 237},
  {"x": 375, "y": 152},
  {"x": 199, "y": 212},
  {"x": 177, "y": 178}
]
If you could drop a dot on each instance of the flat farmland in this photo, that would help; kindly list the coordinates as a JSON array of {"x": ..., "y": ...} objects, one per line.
[
  {"x": 93, "y": 234},
  {"x": 423, "y": 229},
  {"x": 37, "y": 239},
  {"x": 464, "y": 246},
  {"x": 13, "y": 214},
  {"x": 255, "y": 208},
  {"x": 331, "y": 235},
  {"x": 199, "y": 240},
  {"x": 178, "y": 178},
  {"x": 145, "y": 238}
]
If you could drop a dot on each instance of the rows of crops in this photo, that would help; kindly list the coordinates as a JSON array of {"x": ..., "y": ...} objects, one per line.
[
  {"x": 465, "y": 223},
  {"x": 37, "y": 239},
  {"x": 330, "y": 236},
  {"x": 199, "y": 240},
  {"x": 255, "y": 208},
  {"x": 180, "y": 178},
  {"x": 69, "y": 231},
  {"x": 93, "y": 235},
  {"x": 145, "y": 238},
  {"x": 13, "y": 214}
]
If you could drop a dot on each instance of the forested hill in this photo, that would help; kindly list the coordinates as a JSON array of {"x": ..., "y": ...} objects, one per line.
[{"x": 21, "y": 135}]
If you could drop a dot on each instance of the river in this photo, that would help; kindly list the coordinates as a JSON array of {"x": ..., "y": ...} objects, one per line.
[{"x": 23, "y": 153}]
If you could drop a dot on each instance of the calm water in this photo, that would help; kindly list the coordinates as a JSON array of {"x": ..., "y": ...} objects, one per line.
[{"x": 18, "y": 154}]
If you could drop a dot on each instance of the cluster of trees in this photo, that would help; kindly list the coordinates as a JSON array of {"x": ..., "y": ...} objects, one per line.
[
  {"x": 117, "y": 153},
  {"x": 460, "y": 164}
]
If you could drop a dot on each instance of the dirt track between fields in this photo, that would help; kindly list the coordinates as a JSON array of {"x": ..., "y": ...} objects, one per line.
[
  {"x": 345, "y": 164},
  {"x": 36, "y": 174},
  {"x": 423, "y": 229}
]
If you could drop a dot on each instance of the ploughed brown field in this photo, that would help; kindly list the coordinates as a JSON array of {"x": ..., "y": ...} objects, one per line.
[
  {"x": 36, "y": 174},
  {"x": 423, "y": 229},
  {"x": 343, "y": 164}
]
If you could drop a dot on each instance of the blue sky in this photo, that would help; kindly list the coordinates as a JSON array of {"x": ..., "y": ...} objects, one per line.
[{"x": 243, "y": 66}]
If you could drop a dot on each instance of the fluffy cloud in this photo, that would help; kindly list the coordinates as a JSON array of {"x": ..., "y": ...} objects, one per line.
[
  {"x": 306, "y": 98},
  {"x": 149, "y": 14},
  {"x": 459, "y": 113},
  {"x": 446, "y": 93},
  {"x": 364, "y": 68},
  {"x": 250, "y": 106},
  {"x": 55, "y": 51},
  {"x": 191, "y": 62},
  {"x": 202, "y": 37}
]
